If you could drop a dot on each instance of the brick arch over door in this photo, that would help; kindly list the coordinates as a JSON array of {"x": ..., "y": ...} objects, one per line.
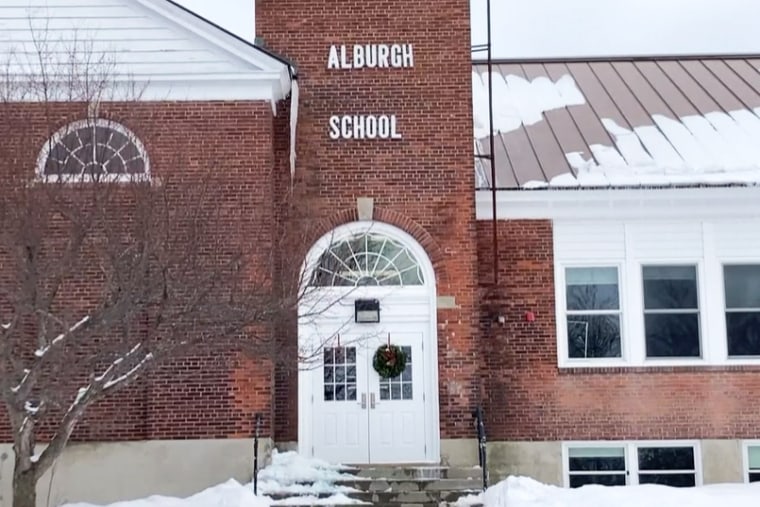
[{"x": 387, "y": 216}]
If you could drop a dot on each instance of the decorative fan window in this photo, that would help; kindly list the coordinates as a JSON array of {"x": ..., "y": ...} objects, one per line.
[
  {"x": 92, "y": 150},
  {"x": 367, "y": 259}
]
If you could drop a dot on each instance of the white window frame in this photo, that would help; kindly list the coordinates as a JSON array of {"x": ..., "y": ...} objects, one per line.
[
  {"x": 746, "y": 444},
  {"x": 561, "y": 302},
  {"x": 709, "y": 258},
  {"x": 631, "y": 456},
  {"x": 698, "y": 265},
  {"x": 724, "y": 305}
]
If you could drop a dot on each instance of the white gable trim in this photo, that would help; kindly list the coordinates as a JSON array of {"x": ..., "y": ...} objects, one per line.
[
  {"x": 229, "y": 43},
  {"x": 610, "y": 204},
  {"x": 151, "y": 50},
  {"x": 220, "y": 38}
]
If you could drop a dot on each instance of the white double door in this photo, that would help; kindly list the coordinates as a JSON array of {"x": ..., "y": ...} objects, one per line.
[{"x": 359, "y": 417}]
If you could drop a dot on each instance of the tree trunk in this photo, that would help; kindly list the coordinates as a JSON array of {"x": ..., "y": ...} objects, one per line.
[{"x": 24, "y": 488}]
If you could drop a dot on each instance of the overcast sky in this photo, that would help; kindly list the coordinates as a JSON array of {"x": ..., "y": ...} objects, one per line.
[
  {"x": 233, "y": 15},
  {"x": 557, "y": 28}
]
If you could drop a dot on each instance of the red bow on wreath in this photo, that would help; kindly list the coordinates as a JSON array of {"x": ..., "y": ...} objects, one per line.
[{"x": 390, "y": 356}]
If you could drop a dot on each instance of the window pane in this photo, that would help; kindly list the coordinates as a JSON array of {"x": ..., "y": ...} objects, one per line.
[
  {"x": 742, "y": 286},
  {"x": 577, "y": 481},
  {"x": 670, "y": 287},
  {"x": 674, "y": 480},
  {"x": 666, "y": 458},
  {"x": 596, "y": 464},
  {"x": 743, "y": 330},
  {"x": 592, "y": 289},
  {"x": 754, "y": 457},
  {"x": 596, "y": 458},
  {"x": 596, "y": 452},
  {"x": 754, "y": 477},
  {"x": 672, "y": 335},
  {"x": 593, "y": 335}
]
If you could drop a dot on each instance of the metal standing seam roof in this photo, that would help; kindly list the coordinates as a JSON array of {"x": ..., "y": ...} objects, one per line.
[{"x": 620, "y": 123}]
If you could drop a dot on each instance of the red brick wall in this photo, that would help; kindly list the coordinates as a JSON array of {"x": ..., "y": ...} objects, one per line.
[
  {"x": 204, "y": 394},
  {"x": 426, "y": 179},
  {"x": 528, "y": 398}
]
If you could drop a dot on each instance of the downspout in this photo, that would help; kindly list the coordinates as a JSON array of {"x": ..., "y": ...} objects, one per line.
[{"x": 492, "y": 148}]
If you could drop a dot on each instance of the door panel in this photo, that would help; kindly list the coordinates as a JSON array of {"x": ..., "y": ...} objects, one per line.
[
  {"x": 341, "y": 428},
  {"x": 397, "y": 419},
  {"x": 361, "y": 418}
]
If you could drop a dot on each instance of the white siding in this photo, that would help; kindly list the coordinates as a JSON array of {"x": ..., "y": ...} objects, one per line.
[
  {"x": 738, "y": 239},
  {"x": 589, "y": 240},
  {"x": 136, "y": 40},
  {"x": 664, "y": 240}
]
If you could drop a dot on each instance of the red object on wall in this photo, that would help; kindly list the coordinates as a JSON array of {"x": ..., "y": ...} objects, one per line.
[{"x": 530, "y": 316}]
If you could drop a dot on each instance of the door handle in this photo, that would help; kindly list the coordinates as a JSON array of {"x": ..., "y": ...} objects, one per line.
[
  {"x": 372, "y": 401},
  {"x": 364, "y": 400}
]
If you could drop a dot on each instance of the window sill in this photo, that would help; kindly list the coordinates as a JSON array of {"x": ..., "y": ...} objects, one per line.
[{"x": 669, "y": 367}]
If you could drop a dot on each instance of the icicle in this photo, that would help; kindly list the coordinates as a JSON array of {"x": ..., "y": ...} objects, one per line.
[{"x": 293, "y": 124}]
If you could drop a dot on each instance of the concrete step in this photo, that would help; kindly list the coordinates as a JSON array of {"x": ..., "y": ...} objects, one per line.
[
  {"x": 390, "y": 497},
  {"x": 415, "y": 472},
  {"x": 408, "y": 484},
  {"x": 398, "y": 486}
]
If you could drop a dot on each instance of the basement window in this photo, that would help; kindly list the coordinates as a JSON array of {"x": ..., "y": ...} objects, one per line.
[
  {"x": 670, "y": 463},
  {"x": 752, "y": 461}
]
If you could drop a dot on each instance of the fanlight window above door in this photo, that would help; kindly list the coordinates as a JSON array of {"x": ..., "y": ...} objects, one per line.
[{"x": 367, "y": 259}]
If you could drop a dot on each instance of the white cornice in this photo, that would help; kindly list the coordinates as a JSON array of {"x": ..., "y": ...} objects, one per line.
[{"x": 739, "y": 202}]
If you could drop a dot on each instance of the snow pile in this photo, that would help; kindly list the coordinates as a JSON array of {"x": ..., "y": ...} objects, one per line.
[
  {"x": 229, "y": 494},
  {"x": 525, "y": 492},
  {"x": 312, "y": 479},
  {"x": 289, "y": 474},
  {"x": 519, "y": 102},
  {"x": 292, "y": 473}
]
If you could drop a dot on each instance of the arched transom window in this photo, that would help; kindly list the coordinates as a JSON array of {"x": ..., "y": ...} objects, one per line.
[
  {"x": 93, "y": 149},
  {"x": 367, "y": 259}
]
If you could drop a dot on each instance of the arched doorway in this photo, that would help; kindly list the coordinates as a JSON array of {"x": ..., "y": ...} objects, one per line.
[{"x": 347, "y": 412}]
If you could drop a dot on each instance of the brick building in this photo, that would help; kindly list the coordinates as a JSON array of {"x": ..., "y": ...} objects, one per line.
[{"x": 612, "y": 338}]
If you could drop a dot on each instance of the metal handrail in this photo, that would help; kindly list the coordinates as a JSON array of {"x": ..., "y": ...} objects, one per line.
[
  {"x": 257, "y": 425},
  {"x": 477, "y": 414}
]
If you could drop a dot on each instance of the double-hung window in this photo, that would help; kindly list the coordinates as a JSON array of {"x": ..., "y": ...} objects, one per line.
[
  {"x": 618, "y": 464},
  {"x": 742, "y": 291},
  {"x": 671, "y": 312},
  {"x": 592, "y": 297}
]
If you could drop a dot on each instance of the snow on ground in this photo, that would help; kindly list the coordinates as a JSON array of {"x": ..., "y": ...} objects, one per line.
[
  {"x": 289, "y": 473},
  {"x": 229, "y": 494},
  {"x": 525, "y": 492}
]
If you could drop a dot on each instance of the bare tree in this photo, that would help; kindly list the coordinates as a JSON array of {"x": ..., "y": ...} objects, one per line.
[{"x": 109, "y": 264}]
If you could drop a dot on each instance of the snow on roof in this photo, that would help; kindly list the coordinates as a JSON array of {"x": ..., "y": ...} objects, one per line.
[{"x": 628, "y": 123}]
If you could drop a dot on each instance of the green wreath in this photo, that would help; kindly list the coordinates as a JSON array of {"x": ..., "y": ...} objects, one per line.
[{"x": 389, "y": 361}]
